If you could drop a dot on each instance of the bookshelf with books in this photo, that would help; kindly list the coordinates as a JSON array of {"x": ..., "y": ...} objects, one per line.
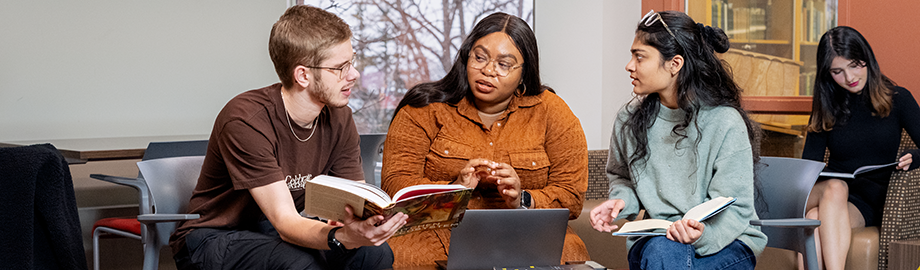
[
  {"x": 817, "y": 16},
  {"x": 787, "y": 29},
  {"x": 754, "y": 26},
  {"x": 773, "y": 47}
]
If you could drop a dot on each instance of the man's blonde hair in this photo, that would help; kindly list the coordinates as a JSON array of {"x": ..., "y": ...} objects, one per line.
[{"x": 303, "y": 36}]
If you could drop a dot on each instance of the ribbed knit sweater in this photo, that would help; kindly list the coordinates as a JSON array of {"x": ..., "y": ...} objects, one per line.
[{"x": 680, "y": 174}]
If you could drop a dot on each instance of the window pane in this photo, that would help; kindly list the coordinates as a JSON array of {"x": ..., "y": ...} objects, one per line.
[{"x": 403, "y": 43}]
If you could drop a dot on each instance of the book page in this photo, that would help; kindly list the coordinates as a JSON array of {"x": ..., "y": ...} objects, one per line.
[
  {"x": 709, "y": 208},
  {"x": 698, "y": 213},
  {"x": 363, "y": 190},
  {"x": 642, "y": 226},
  {"x": 836, "y": 175},
  {"x": 418, "y": 190},
  {"x": 432, "y": 211},
  {"x": 428, "y": 206},
  {"x": 860, "y": 170},
  {"x": 329, "y": 202},
  {"x": 865, "y": 169}
]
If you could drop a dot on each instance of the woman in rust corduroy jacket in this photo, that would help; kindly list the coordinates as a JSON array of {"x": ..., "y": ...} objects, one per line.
[{"x": 490, "y": 110}]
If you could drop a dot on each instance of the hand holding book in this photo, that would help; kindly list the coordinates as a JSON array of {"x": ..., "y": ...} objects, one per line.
[
  {"x": 905, "y": 160},
  {"x": 428, "y": 206},
  {"x": 698, "y": 213},
  {"x": 375, "y": 231},
  {"x": 685, "y": 231}
]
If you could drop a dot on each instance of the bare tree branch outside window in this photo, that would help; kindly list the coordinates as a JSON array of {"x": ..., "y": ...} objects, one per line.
[{"x": 401, "y": 43}]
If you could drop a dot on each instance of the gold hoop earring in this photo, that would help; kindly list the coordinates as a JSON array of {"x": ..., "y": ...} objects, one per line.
[{"x": 520, "y": 92}]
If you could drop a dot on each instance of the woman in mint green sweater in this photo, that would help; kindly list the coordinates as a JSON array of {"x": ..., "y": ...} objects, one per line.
[{"x": 683, "y": 141}]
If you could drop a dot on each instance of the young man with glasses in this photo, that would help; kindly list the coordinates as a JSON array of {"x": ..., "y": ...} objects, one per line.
[{"x": 265, "y": 144}]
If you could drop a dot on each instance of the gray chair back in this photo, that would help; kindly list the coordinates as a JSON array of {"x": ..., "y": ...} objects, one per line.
[
  {"x": 372, "y": 156},
  {"x": 170, "y": 182},
  {"x": 785, "y": 185},
  {"x": 163, "y": 193},
  {"x": 157, "y": 150}
]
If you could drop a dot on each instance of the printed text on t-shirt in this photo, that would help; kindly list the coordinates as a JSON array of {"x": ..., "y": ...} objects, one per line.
[{"x": 296, "y": 182}]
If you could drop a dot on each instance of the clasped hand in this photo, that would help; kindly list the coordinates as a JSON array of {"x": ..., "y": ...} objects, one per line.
[{"x": 502, "y": 174}]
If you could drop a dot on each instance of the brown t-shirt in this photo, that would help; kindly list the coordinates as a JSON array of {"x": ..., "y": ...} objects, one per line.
[{"x": 252, "y": 145}]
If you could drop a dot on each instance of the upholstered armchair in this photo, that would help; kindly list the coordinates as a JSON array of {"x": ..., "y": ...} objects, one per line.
[{"x": 900, "y": 218}]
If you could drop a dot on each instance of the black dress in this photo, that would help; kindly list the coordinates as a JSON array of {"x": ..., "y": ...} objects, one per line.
[{"x": 866, "y": 139}]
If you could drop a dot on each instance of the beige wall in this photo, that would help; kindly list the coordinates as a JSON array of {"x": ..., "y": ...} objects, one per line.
[
  {"x": 584, "y": 47},
  {"x": 888, "y": 26},
  {"x": 90, "y": 69}
]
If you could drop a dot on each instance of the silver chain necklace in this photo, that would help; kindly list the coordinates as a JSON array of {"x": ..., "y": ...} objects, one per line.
[{"x": 288, "y": 116}]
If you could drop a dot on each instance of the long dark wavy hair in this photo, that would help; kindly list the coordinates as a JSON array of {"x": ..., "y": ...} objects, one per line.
[
  {"x": 703, "y": 81},
  {"x": 831, "y": 102},
  {"x": 455, "y": 86}
]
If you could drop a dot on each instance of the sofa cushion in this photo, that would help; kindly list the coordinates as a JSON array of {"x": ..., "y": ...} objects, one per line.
[
  {"x": 604, "y": 248},
  {"x": 863, "y": 252}
]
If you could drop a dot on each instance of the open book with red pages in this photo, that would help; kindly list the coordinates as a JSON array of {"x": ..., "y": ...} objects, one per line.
[
  {"x": 657, "y": 226},
  {"x": 428, "y": 206},
  {"x": 860, "y": 170}
]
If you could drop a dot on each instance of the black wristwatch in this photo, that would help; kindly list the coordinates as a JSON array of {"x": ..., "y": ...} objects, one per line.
[
  {"x": 525, "y": 199},
  {"x": 334, "y": 244}
]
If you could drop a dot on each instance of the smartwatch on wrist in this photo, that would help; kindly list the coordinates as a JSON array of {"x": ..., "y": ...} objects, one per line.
[
  {"x": 334, "y": 244},
  {"x": 525, "y": 199}
]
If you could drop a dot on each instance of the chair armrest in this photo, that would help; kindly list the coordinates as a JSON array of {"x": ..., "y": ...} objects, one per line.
[
  {"x": 126, "y": 181},
  {"x": 157, "y": 218},
  {"x": 139, "y": 184},
  {"x": 901, "y": 207},
  {"x": 787, "y": 222}
]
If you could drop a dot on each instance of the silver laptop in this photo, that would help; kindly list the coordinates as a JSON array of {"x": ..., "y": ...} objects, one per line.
[{"x": 507, "y": 238}]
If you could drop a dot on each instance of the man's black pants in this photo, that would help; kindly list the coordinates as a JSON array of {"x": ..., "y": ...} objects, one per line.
[{"x": 207, "y": 248}]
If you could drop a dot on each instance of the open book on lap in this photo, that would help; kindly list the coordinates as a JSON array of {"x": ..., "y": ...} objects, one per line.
[
  {"x": 700, "y": 212},
  {"x": 428, "y": 206},
  {"x": 860, "y": 170}
]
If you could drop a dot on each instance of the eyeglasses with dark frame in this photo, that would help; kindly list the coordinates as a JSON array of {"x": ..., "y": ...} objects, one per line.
[
  {"x": 479, "y": 60},
  {"x": 343, "y": 69}
]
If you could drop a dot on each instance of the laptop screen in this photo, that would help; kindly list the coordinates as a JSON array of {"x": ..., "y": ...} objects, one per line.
[{"x": 507, "y": 238}]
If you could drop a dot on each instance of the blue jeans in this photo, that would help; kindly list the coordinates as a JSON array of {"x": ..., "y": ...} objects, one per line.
[{"x": 660, "y": 253}]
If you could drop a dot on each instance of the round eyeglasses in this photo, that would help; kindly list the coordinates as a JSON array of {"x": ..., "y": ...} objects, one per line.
[
  {"x": 502, "y": 67},
  {"x": 341, "y": 70}
]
